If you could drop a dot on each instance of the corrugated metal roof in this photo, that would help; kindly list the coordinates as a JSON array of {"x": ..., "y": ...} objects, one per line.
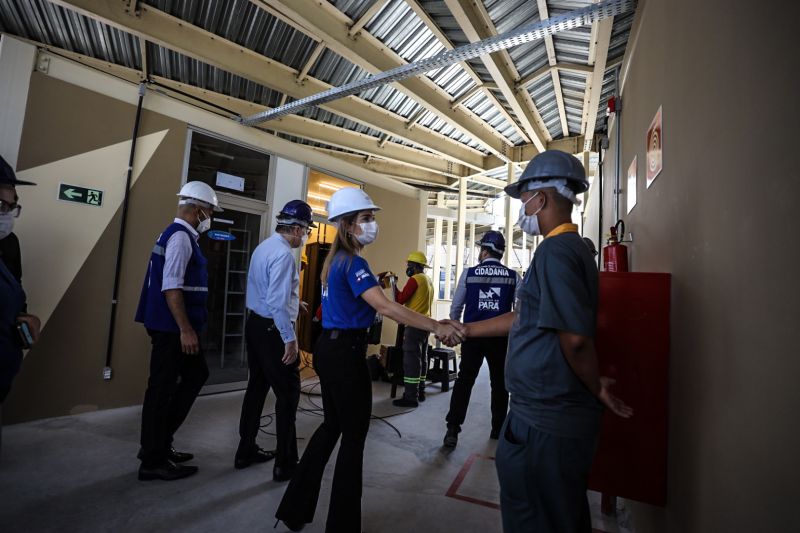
[
  {"x": 48, "y": 23},
  {"x": 395, "y": 24}
]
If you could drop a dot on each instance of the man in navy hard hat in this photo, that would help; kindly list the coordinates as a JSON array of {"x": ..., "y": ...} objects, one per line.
[
  {"x": 484, "y": 291},
  {"x": 273, "y": 302},
  {"x": 173, "y": 308},
  {"x": 557, "y": 396}
]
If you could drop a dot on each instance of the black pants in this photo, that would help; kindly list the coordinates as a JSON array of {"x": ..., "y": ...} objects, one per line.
[
  {"x": 264, "y": 353},
  {"x": 473, "y": 352},
  {"x": 175, "y": 380},
  {"x": 340, "y": 362}
]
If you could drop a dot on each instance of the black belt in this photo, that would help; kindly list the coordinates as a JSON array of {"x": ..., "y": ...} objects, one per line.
[
  {"x": 336, "y": 333},
  {"x": 269, "y": 321}
]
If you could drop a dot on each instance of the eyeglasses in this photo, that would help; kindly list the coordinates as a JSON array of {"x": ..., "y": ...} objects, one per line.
[{"x": 10, "y": 209}]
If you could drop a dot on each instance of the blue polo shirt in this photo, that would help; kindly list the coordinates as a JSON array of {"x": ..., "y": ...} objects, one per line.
[{"x": 342, "y": 305}]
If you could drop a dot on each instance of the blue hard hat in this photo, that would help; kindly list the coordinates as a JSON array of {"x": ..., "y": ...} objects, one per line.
[
  {"x": 296, "y": 212},
  {"x": 8, "y": 177},
  {"x": 493, "y": 240},
  {"x": 548, "y": 165}
]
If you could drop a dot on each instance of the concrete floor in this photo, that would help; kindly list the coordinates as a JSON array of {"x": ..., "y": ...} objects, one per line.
[{"x": 78, "y": 473}]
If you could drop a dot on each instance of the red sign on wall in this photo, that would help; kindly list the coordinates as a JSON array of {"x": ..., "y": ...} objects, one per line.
[{"x": 655, "y": 143}]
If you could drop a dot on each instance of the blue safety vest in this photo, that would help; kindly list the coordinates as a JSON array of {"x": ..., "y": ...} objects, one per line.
[
  {"x": 153, "y": 311},
  {"x": 490, "y": 291}
]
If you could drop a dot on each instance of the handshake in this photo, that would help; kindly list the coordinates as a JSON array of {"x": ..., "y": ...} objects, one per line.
[{"x": 451, "y": 332}]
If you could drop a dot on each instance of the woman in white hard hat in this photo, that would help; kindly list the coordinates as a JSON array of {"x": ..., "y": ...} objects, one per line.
[{"x": 351, "y": 296}]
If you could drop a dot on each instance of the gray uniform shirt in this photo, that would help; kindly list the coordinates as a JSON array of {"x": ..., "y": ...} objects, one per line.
[{"x": 559, "y": 292}]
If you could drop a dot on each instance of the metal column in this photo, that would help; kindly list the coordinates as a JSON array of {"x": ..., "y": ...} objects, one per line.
[
  {"x": 462, "y": 226},
  {"x": 509, "y": 221},
  {"x": 448, "y": 268}
]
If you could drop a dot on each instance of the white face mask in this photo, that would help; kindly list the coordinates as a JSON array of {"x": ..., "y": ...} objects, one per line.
[
  {"x": 369, "y": 232},
  {"x": 529, "y": 223},
  {"x": 204, "y": 225},
  {"x": 303, "y": 239},
  {"x": 6, "y": 225}
]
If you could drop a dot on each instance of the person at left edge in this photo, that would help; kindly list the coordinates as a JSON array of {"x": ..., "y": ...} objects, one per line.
[
  {"x": 350, "y": 298},
  {"x": 13, "y": 305},
  {"x": 273, "y": 302},
  {"x": 173, "y": 309}
]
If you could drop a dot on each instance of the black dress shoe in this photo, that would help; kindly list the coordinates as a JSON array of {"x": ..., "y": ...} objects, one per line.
[
  {"x": 167, "y": 471},
  {"x": 178, "y": 457},
  {"x": 293, "y": 526},
  {"x": 257, "y": 456},
  {"x": 280, "y": 473},
  {"x": 405, "y": 402}
]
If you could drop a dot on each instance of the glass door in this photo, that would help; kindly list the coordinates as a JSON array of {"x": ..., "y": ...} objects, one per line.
[{"x": 228, "y": 246}]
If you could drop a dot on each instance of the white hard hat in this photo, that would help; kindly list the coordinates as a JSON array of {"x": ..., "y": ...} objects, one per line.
[
  {"x": 348, "y": 200},
  {"x": 197, "y": 190}
]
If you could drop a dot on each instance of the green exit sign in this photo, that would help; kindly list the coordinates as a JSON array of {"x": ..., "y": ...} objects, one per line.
[{"x": 80, "y": 195}]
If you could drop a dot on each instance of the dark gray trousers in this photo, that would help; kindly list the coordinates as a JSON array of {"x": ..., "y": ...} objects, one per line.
[{"x": 543, "y": 480}]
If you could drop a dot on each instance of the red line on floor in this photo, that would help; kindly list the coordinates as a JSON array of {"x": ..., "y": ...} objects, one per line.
[{"x": 452, "y": 492}]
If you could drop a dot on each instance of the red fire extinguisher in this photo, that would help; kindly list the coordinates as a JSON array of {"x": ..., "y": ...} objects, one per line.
[{"x": 615, "y": 254}]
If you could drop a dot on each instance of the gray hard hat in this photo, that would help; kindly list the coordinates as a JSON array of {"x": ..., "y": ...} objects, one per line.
[{"x": 548, "y": 165}]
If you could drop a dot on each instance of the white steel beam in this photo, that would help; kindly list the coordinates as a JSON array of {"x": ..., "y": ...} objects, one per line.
[
  {"x": 477, "y": 25},
  {"x": 369, "y": 53},
  {"x": 551, "y": 58},
  {"x": 442, "y": 37},
  {"x": 356, "y": 27},
  {"x": 594, "y": 83},
  {"x": 318, "y": 49}
]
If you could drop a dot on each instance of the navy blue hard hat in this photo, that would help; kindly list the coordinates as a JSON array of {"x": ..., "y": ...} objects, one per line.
[
  {"x": 8, "y": 177},
  {"x": 296, "y": 212},
  {"x": 493, "y": 240},
  {"x": 548, "y": 165}
]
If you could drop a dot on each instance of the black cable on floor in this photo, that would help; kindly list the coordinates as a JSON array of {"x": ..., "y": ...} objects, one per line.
[{"x": 307, "y": 387}]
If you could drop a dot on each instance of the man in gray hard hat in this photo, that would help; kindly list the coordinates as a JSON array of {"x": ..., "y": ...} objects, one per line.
[{"x": 557, "y": 395}]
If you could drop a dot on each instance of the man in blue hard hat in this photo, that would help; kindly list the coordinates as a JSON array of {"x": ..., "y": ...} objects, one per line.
[
  {"x": 483, "y": 291},
  {"x": 557, "y": 395},
  {"x": 273, "y": 302}
]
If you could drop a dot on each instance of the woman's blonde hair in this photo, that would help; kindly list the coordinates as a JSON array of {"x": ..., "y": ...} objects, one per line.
[{"x": 344, "y": 242}]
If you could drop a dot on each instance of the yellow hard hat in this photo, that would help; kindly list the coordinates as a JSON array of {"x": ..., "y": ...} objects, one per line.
[{"x": 418, "y": 257}]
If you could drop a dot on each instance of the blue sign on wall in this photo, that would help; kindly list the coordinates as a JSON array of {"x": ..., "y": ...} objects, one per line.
[{"x": 221, "y": 235}]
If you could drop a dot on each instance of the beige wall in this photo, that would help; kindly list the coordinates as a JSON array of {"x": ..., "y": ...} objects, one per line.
[
  {"x": 73, "y": 135},
  {"x": 720, "y": 219},
  {"x": 81, "y": 137}
]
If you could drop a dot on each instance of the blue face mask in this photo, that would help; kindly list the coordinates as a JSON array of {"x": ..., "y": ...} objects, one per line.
[
  {"x": 529, "y": 223},
  {"x": 6, "y": 225}
]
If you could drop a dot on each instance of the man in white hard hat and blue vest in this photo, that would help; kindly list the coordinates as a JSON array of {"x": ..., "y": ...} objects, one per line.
[{"x": 173, "y": 309}]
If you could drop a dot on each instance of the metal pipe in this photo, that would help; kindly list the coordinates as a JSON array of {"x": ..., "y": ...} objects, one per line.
[
  {"x": 618, "y": 135},
  {"x": 600, "y": 203},
  {"x": 121, "y": 242}
]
